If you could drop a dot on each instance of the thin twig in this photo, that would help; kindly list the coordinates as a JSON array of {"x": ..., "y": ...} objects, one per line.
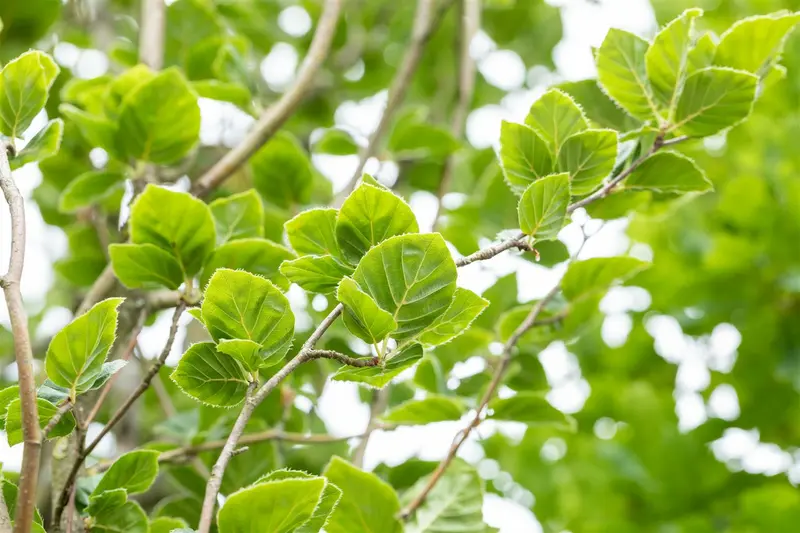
[
  {"x": 380, "y": 399},
  {"x": 425, "y": 24},
  {"x": 508, "y": 351},
  {"x": 274, "y": 117},
  {"x": 470, "y": 23},
  {"x": 151, "y": 34},
  {"x": 62, "y": 410},
  {"x": 120, "y": 413},
  {"x": 487, "y": 253},
  {"x": 32, "y": 435},
  {"x": 342, "y": 358}
]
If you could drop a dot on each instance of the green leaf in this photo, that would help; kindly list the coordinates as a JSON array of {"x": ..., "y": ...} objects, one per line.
[
  {"x": 362, "y": 316},
  {"x": 241, "y": 305},
  {"x": 524, "y": 156},
  {"x": 588, "y": 157},
  {"x": 313, "y": 232},
  {"x": 76, "y": 354},
  {"x": 102, "y": 503},
  {"x": 714, "y": 99},
  {"x": 621, "y": 71},
  {"x": 316, "y": 273},
  {"x": 369, "y": 216},
  {"x": 107, "y": 371},
  {"x": 379, "y": 376},
  {"x": 257, "y": 256},
  {"x": 46, "y": 409},
  {"x": 134, "y": 471},
  {"x": 589, "y": 276},
  {"x": 222, "y": 91},
  {"x": 90, "y": 188},
  {"x": 331, "y": 495},
  {"x": 702, "y": 54},
  {"x": 465, "y": 307},
  {"x": 555, "y": 116},
  {"x": 335, "y": 142},
  {"x": 24, "y": 86},
  {"x": 667, "y": 58},
  {"x": 129, "y": 518},
  {"x": 44, "y": 144},
  {"x": 188, "y": 232},
  {"x": 669, "y": 172},
  {"x": 247, "y": 352},
  {"x": 276, "y": 506},
  {"x": 368, "y": 504},
  {"x": 417, "y": 140},
  {"x": 753, "y": 44},
  {"x": 97, "y": 130},
  {"x": 282, "y": 172},
  {"x": 434, "y": 408},
  {"x": 160, "y": 120},
  {"x": 413, "y": 277},
  {"x": 454, "y": 504},
  {"x": 238, "y": 216},
  {"x": 145, "y": 265},
  {"x": 542, "y": 209},
  {"x": 167, "y": 524},
  {"x": 210, "y": 377},
  {"x": 530, "y": 408}
]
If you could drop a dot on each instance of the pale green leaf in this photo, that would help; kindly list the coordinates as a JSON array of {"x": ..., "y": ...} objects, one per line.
[
  {"x": 622, "y": 74},
  {"x": 714, "y": 99},
  {"x": 530, "y": 408},
  {"x": 24, "y": 86},
  {"x": 76, "y": 354},
  {"x": 555, "y": 116},
  {"x": 379, "y": 376},
  {"x": 44, "y": 144},
  {"x": 465, "y": 307},
  {"x": 669, "y": 172},
  {"x": 104, "y": 502},
  {"x": 753, "y": 44},
  {"x": 129, "y": 518},
  {"x": 145, "y": 265},
  {"x": 316, "y": 273},
  {"x": 97, "y": 130},
  {"x": 134, "y": 471},
  {"x": 282, "y": 172},
  {"x": 434, "y": 408},
  {"x": 238, "y": 216},
  {"x": 589, "y": 276},
  {"x": 313, "y": 232},
  {"x": 369, "y": 216},
  {"x": 588, "y": 157},
  {"x": 107, "y": 371},
  {"x": 542, "y": 210},
  {"x": 368, "y": 504},
  {"x": 280, "y": 506},
  {"x": 362, "y": 316},
  {"x": 166, "y": 524},
  {"x": 335, "y": 142},
  {"x": 413, "y": 277},
  {"x": 245, "y": 351},
  {"x": 90, "y": 188},
  {"x": 524, "y": 156},
  {"x": 222, "y": 91},
  {"x": 258, "y": 256},
  {"x": 210, "y": 377},
  {"x": 702, "y": 54},
  {"x": 330, "y": 497},
  {"x": 46, "y": 410}
]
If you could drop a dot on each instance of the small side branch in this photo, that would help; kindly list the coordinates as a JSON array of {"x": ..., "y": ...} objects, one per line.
[
  {"x": 517, "y": 242},
  {"x": 342, "y": 358},
  {"x": 63, "y": 409}
]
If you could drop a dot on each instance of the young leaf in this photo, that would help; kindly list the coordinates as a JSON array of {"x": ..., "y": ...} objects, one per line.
[
  {"x": 159, "y": 121},
  {"x": 555, "y": 116},
  {"x": 465, "y": 307},
  {"x": 330, "y": 497},
  {"x": 667, "y": 58},
  {"x": 369, "y": 216},
  {"x": 106, "y": 371},
  {"x": 714, "y": 99},
  {"x": 669, "y": 172},
  {"x": 434, "y": 408},
  {"x": 524, "y": 155},
  {"x": 247, "y": 352},
  {"x": 90, "y": 188},
  {"x": 621, "y": 72},
  {"x": 13, "y": 420},
  {"x": 210, "y": 377},
  {"x": 588, "y": 157},
  {"x": 257, "y": 256},
  {"x": 454, "y": 504},
  {"x": 368, "y": 504},
  {"x": 24, "y": 86},
  {"x": 335, "y": 142},
  {"x": 313, "y": 232},
  {"x": 129, "y": 518},
  {"x": 542, "y": 209},
  {"x": 134, "y": 471},
  {"x": 188, "y": 232},
  {"x": 275, "y": 506},
  {"x": 316, "y": 273},
  {"x": 145, "y": 265},
  {"x": 282, "y": 172},
  {"x": 167, "y": 524},
  {"x": 701, "y": 55},
  {"x": 362, "y": 316},
  {"x": 413, "y": 277},
  {"x": 241, "y": 305},
  {"x": 594, "y": 275},
  {"x": 238, "y": 216},
  {"x": 530, "y": 408},
  {"x": 379, "y": 376},
  {"x": 234, "y": 93},
  {"x": 97, "y": 130},
  {"x": 44, "y": 144},
  {"x": 754, "y": 43},
  {"x": 76, "y": 354},
  {"x": 104, "y": 502}
]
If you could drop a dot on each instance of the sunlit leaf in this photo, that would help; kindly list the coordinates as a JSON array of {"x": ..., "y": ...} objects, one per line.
[
  {"x": 210, "y": 377},
  {"x": 362, "y": 316},
  {"x": 555, "y": 116},
  {"x": 238, "y": 216},
  {"x": 465, "y": 307},
  {"x": 621, "y": 72},
  {"x": 524, "y": 155},
  {"x": 543, "y": 207},
  {"x": 714, "y": 99}
]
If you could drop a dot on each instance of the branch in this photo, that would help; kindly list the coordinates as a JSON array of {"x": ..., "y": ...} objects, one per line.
[
  {"x": 63, "y": 409},
  {"x": 151, "y": 34},
  {"x": 23, "y": 353},
  {"x": 380, "y": 399},
  {"x": 499, "y": 374},
  {"x": 342, "y": 358},
  {"x": 425, "y": 24},
  {"x": 491, "y": 251},
  {"x": 274, "y": 117},
  {"x": 120, "y": 413}
]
